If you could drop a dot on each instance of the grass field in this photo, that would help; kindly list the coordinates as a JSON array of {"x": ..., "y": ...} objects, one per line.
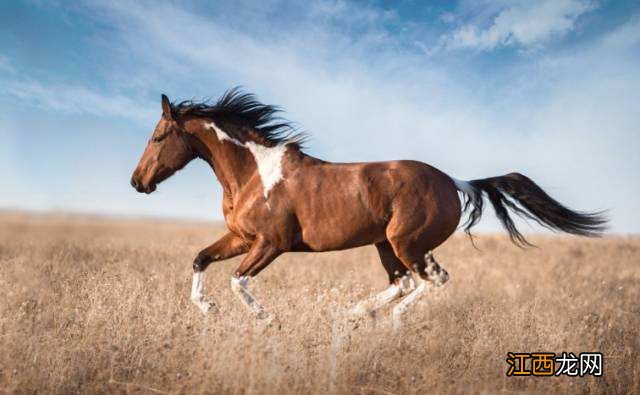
[{"x": 101, "y": 305}]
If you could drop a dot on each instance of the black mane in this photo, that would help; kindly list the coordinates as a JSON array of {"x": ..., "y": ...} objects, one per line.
[{"x": 244, "y": 107}]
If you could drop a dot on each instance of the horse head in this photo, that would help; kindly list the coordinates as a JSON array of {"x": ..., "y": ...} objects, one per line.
[{"x": 167, "y": 152}]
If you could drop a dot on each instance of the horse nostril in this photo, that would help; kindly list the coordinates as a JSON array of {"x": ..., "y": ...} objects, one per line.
[{"x": 134, "y": 183}]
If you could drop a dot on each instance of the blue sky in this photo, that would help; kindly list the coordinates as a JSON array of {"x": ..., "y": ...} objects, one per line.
[{"x": 549, "y": 88}]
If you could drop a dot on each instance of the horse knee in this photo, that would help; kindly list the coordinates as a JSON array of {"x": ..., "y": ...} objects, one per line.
[{"x": 201, "y": 261}]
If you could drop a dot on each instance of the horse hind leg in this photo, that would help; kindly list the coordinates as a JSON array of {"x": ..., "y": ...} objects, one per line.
[
  {"x": 432, "y": 272},
  {"x": 400, "y": 283},
  {"x": 412, "y": 256},
  {"x": 404, "y": 304}
]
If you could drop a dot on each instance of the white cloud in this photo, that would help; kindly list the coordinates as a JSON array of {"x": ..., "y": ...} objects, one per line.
[
  {"x": 349, "y": 11},
  {"x": 75, "y": 99},
  {"x": 519, "y": 23}
]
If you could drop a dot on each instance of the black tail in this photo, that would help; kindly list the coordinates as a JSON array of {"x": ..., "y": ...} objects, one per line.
[{"x": 525, "y": 198}]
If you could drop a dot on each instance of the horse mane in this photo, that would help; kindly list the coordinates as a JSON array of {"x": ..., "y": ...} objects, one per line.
[{"x": 235, "y": 104}]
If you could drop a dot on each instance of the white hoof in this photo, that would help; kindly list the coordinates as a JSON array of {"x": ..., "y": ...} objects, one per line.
[
  {"x": 204, "y": 305},
  {"x": 263, "y": 315},
  {"x": 357, "y": 312}
]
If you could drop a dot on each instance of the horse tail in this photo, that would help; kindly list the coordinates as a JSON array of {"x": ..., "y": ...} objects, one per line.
[{"x": 519, "y": 194}]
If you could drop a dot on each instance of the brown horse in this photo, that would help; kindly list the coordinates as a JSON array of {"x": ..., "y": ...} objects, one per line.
[{"x": 279, "y": 199}]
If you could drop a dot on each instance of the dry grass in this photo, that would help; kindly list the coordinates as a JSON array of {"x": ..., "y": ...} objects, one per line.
[{"x": 99, "y": 305}]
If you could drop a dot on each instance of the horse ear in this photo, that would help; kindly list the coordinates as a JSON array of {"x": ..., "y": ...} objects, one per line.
[{"x": 167, "y": 111}]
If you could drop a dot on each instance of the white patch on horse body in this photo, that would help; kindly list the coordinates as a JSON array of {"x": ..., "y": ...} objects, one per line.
[
  {"x": 222, "y": 136},
  {"x": 268, "y": 159}
]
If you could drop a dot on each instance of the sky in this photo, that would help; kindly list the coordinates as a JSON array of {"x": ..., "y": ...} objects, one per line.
[{"x": 548, "y": 88}]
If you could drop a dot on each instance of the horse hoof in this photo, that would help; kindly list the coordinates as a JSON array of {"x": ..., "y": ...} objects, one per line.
[
  {"x": 357, "y": 313},
  {"x": 207, "y": 307},
  {"x": 267, "y": 320}
]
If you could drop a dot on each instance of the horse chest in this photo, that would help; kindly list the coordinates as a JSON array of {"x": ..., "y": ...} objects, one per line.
[{"x": 249, "y": 220}]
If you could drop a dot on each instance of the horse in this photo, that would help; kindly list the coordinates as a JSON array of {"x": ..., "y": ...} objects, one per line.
[{"x": 279, "y": 199}]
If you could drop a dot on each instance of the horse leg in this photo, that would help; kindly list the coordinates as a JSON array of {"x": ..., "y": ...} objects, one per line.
[
  {"x": 429, "y": 271},
  {"x": 226, "y": 247},
  {"x": 259, "y": 256},
  {"x": 411, "y": 256},
  {"x": 400, "y": 283},
  {"x": 404, "y": 304},
  {"x": 432, "y": 272},
  {"x": 197, "y": 293}
]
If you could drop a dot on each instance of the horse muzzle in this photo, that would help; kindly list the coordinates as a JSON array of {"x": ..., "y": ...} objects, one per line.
[{"x": 140, "y": 187}]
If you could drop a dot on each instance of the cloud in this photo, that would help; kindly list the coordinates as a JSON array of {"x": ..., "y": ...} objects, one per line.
[
  {"x": 519, "y": 23},
  {"x": 75, "y": 99},
  {"x": 325, "y": 78},
  {"x": 361, "y": 14},
  {"x": 626, "y": 36}
]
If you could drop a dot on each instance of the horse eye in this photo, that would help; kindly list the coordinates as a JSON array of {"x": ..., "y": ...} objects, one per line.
[{"x": 156, "y": 139}]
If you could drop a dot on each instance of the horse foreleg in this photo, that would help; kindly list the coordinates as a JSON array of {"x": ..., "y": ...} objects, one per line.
[
  {"x": 260, "y": 255},
  {"x": 226, "y": 247},
  {"x": 197, "y": 293},
  {"x": 240, "y": 286}
]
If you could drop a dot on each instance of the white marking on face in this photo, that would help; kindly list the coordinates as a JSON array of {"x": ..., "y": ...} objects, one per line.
[{"x": 268, "y": 159}]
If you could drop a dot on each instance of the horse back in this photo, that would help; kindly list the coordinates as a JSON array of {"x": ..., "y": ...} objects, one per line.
[{"x": 346, "y": 205}]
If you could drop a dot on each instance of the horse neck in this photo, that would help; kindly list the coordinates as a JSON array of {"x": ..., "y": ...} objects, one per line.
[{"x": 231, "y": 163}]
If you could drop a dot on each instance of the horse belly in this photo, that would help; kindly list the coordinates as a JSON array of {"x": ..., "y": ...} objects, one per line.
[
  {"x": 339, "y": 217},
  {"x": 340, "y": 229}
]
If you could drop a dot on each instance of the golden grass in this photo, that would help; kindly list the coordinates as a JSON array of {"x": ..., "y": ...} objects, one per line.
[{"x": 101, "y": 305}]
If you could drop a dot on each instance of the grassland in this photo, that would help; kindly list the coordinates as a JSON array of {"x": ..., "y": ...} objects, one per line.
[{"x": 101, "y": 305}]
